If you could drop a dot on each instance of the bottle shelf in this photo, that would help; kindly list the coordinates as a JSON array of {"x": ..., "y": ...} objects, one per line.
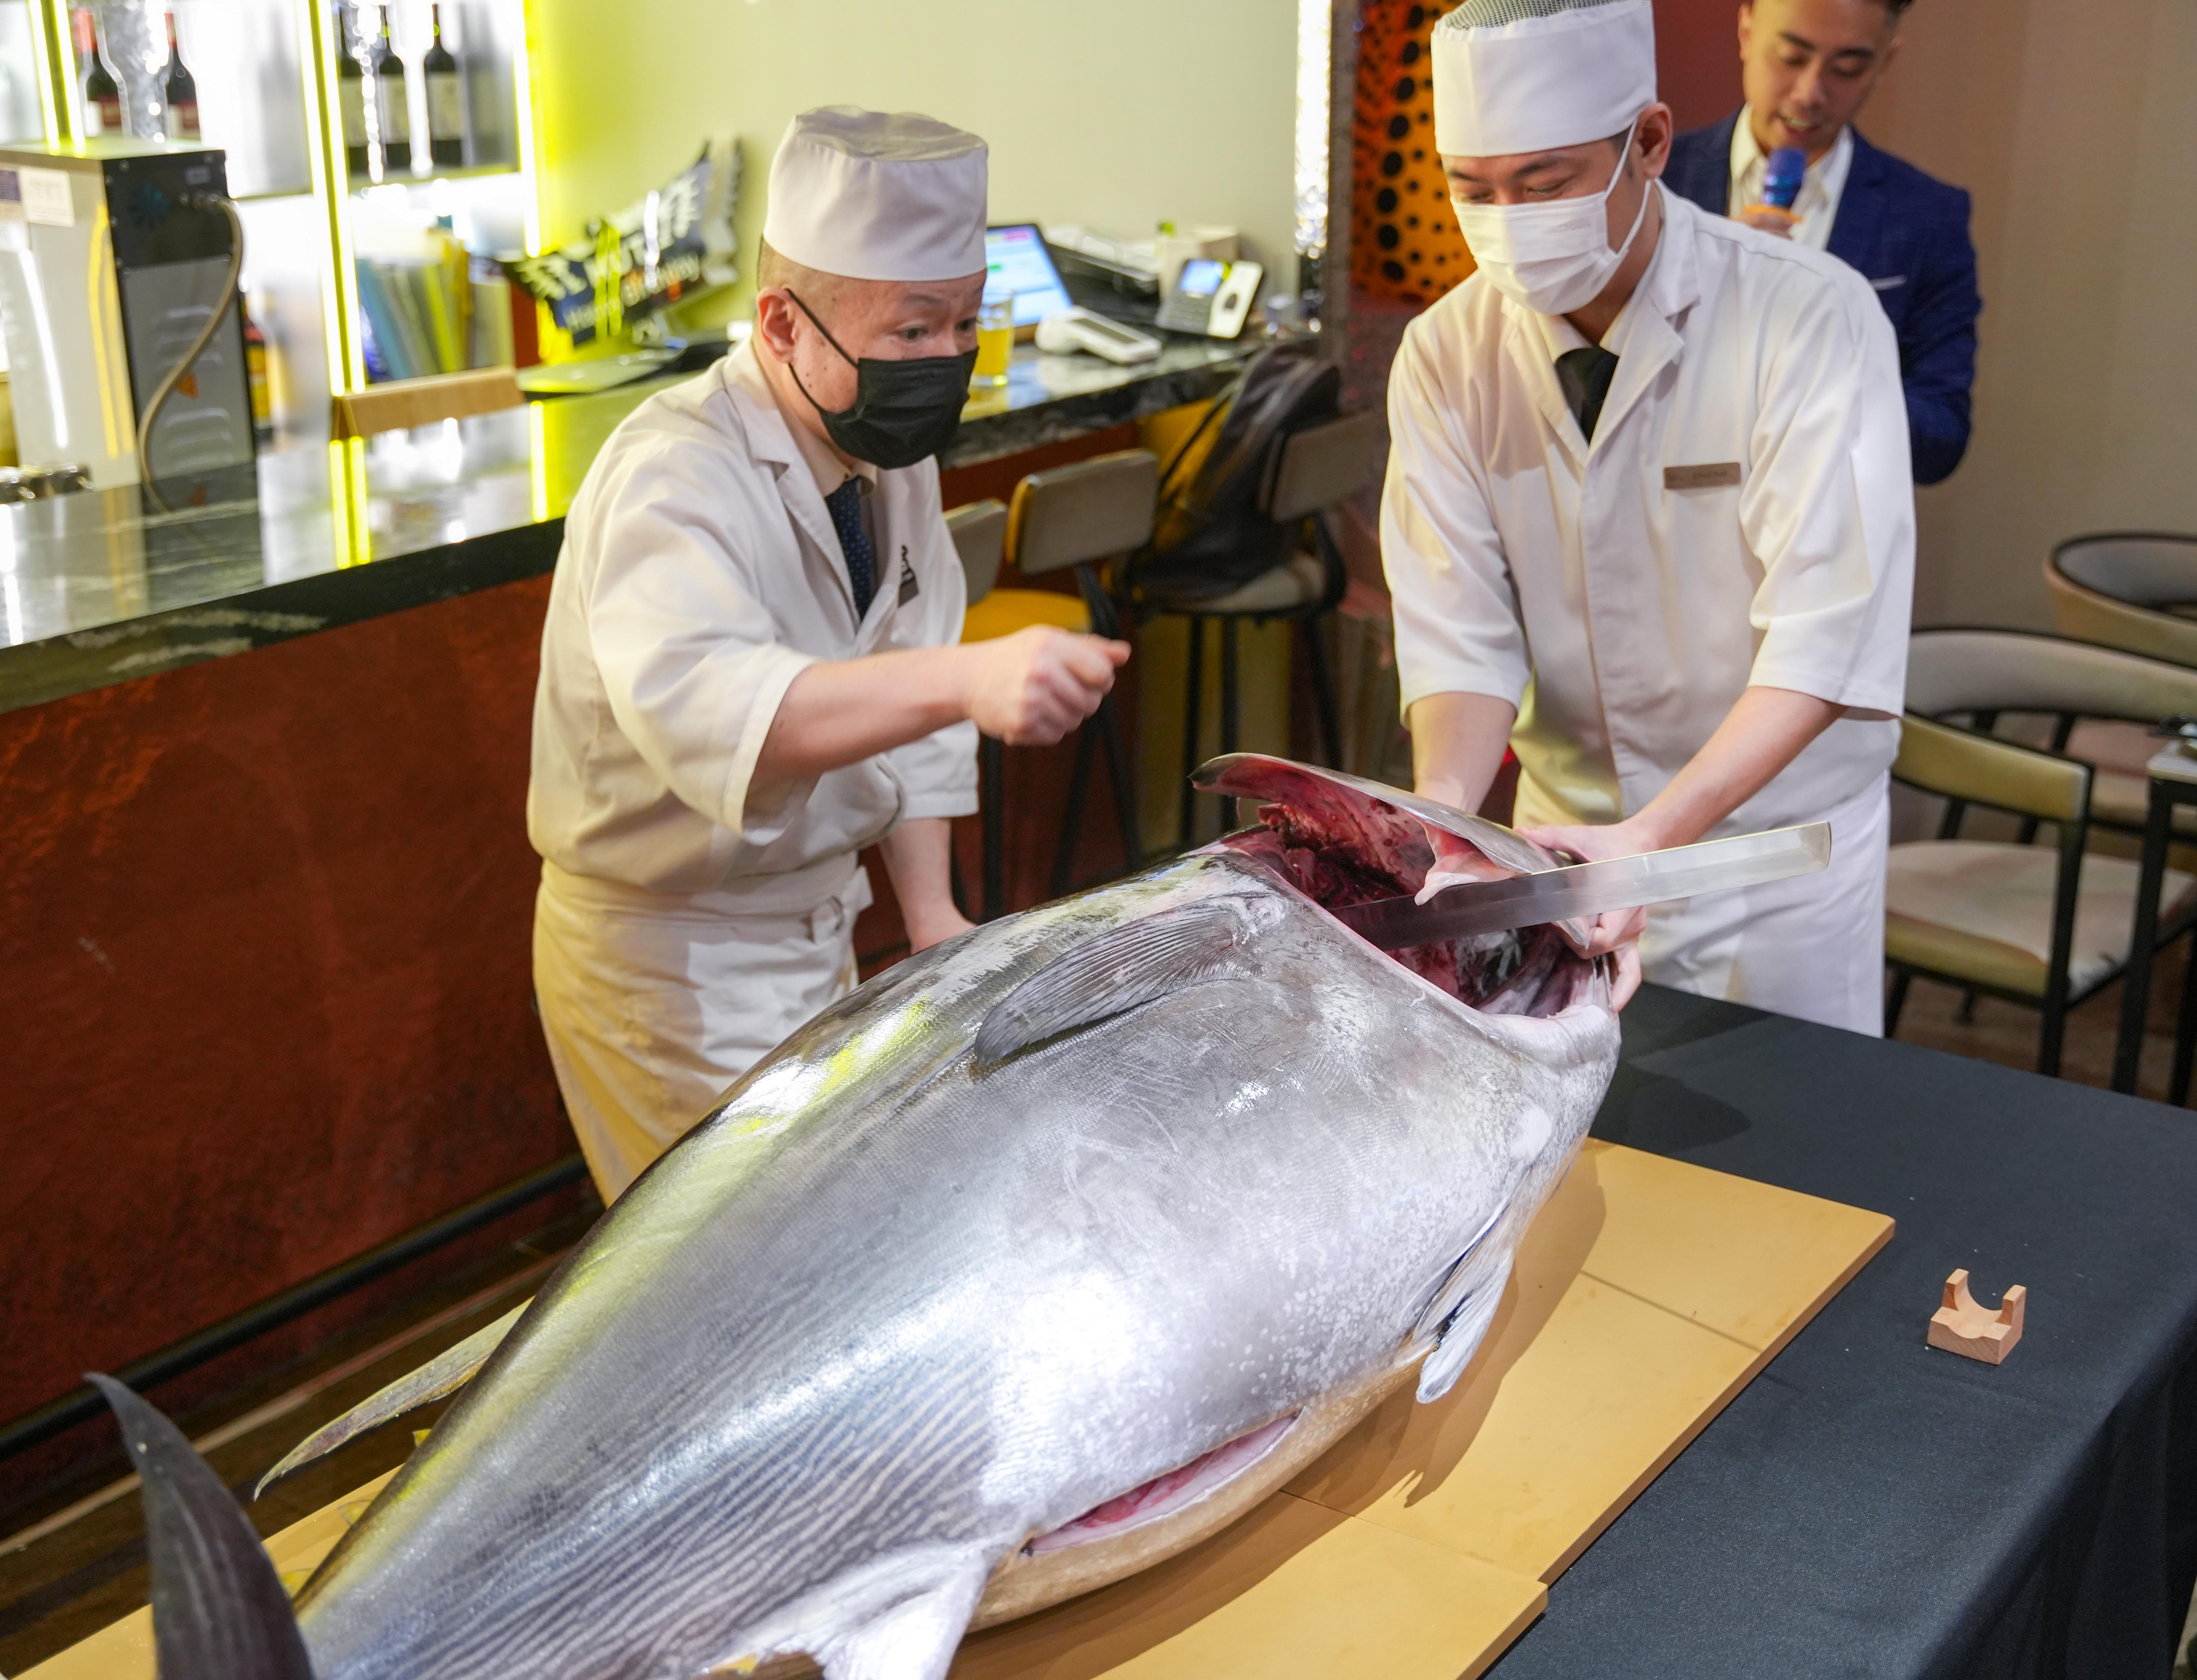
[{"x": 269, "y": 95}]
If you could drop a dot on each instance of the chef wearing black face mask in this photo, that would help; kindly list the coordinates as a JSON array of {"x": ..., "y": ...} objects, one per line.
[{"x": 751, "y": 667}]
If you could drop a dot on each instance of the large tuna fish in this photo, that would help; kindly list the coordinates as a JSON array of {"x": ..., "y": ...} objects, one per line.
[{"x": 1039, "y": 1257}]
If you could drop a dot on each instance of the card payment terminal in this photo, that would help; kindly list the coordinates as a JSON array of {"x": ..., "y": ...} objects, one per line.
[{"x": 1210, "y": 297}]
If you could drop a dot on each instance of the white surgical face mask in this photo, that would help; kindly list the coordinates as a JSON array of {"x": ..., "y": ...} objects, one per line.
[{"x": 1552, "y": 257}]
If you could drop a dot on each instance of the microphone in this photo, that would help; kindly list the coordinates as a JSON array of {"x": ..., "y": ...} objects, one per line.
[{"x": 1781, "y": 180}]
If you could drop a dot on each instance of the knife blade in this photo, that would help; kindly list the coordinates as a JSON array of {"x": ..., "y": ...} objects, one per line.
[{"x": 1587, "y": 890}]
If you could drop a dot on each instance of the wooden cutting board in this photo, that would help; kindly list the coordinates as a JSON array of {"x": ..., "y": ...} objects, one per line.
[{"x": 1647, "y": 1294}]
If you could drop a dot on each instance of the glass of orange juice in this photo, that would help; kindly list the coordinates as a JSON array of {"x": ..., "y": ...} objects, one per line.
[{"x": 995, "y": 338}]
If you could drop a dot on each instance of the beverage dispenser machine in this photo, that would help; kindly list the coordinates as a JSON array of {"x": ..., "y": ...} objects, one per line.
[{"x": 118, "y": 266}]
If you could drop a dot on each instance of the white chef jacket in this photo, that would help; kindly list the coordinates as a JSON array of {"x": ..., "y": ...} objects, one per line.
[
  {"x": 692, "y": 915},
  {"x": 1820, "y": 188},
  {"x": 1624, "y": 611}
]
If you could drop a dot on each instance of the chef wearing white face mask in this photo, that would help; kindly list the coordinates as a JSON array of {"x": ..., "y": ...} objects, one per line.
[{"x": 1649, "y": 516}]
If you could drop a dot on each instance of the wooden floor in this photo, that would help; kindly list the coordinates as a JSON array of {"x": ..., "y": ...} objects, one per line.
[{"x": 72, "y": 1560}]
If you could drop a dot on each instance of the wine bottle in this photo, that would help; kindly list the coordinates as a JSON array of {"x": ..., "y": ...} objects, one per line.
[
  {"x": 350, "y": 94},
  {"x": 102, "y": 94},
  {"x": 392, "y": 104},
  {"x": 446, "y": 102},
  {"x": 181, "y": 90}
]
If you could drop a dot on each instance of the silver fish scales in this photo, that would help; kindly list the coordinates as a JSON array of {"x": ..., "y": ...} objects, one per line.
[{"x": 1039, "y": 1258}]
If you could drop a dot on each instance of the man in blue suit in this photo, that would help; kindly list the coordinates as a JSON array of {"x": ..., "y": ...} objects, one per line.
[{"x": 1809, "y": 67}]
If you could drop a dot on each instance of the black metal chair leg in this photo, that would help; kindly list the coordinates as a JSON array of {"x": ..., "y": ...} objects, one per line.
[
  {"x": 1071, "y": 821},
  {"x": 1894, "y": 1004},
  {"x": 1122, "y": 775},
  {"x": 2185, "y": 1032},
  {"x": 1323, "y": 688},
  {"x": 1193, "y": 703},
  {"x": 1231, "y": 704},
  {"x": 991, "y": 777}
]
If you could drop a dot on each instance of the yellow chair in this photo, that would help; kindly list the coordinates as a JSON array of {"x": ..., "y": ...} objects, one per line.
[
  {"x": 2119, "y": 589},
  {"x": 1068, "y": 517},
  {"x": 2044, "y": 926}
]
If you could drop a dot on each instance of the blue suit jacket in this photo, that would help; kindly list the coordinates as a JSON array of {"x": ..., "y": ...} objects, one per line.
[{"x": 1908, "y": 234}]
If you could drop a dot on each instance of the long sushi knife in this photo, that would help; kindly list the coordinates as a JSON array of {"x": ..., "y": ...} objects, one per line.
[{"x": 1587, "y": 890}]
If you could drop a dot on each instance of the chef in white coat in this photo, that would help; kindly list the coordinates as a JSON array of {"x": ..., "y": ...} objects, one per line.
[
  {"x": 1649, "y": 516},
  {"x": 750, "y": 669}
]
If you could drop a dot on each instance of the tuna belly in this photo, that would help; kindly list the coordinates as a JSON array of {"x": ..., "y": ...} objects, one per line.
[{"x": 1147, "y": 1525}]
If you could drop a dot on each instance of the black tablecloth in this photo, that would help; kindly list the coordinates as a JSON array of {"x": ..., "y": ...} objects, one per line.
[{"x": 1871, "y": 1506}]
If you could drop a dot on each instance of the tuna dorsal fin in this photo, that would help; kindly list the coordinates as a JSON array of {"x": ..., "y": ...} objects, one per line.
[
  {"x": 219, "y": 1612},
  {"x": 445, "y": 1373},
  {"x": 1114, "y": 971}
]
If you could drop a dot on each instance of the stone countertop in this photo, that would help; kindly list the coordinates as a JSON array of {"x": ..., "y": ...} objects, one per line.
[{"x": 95, "y": 590}]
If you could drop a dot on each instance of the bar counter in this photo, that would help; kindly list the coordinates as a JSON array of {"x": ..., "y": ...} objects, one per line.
[
  {"x": 95, "y": 590},
  {"x": 265, "y": 921}
]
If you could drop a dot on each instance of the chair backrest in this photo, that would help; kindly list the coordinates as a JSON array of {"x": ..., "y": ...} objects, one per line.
[
  {"x": 2143, "y": 568},
  {"x": 1951, "y": 671},
  {"x": 1085, "y": 511},
  {"x": 1326, "y": 464},
  {"x": 2111, "y": 589},
  {"x": 979, "y": 529},
  {"x": 1963, "y": 764}
]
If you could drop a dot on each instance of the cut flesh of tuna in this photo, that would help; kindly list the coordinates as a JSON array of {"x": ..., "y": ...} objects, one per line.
[{"x": 1164, "y": 1495}]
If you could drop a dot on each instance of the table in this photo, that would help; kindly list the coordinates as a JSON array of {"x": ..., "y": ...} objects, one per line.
[
  {"x": 1871, "y": 1506},
  {"x": 2173, "y": 777}
]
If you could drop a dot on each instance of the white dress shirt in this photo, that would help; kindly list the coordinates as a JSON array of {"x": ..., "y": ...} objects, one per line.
[{"x": 1820, "y": 188}]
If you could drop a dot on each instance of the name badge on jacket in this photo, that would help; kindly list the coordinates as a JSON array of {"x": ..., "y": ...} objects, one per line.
[{"x": 1715, "y": 476}]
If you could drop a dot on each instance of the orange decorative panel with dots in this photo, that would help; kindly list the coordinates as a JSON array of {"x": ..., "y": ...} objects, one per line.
[{"x": 1404, "y": 244}]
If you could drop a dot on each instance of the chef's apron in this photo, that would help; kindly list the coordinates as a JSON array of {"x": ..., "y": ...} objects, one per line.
[
  {"x": 1812, "y": 947},
  {"x": 653, "y": 1004}
]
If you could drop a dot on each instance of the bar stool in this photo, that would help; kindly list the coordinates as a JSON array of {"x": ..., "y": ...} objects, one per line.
[
  {"x": 1070, "y": 516},
  {"x": 1312, "y": 471}
]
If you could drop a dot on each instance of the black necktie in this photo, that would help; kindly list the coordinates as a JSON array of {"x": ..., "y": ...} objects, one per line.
[
  {"x": 1586, "y": 374},
  {"x": 846, "y": 506}
]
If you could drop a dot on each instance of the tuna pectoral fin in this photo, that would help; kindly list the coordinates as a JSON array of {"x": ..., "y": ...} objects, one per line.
[
  {"x": 913, "y": 1639},
  {"x": 445, "y": 1373},
  {"x": 1461, "y": 1337},
  {"x": 1115, "y": 972},
  {"x": 219, "y": 1612}
]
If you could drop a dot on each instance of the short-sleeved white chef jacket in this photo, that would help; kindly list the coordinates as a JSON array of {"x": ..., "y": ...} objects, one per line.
[
  {"x": 1744, "y": 516},
  {"x": 692, "y": 915}
]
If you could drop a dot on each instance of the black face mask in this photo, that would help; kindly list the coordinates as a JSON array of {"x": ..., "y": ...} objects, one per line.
[{"x": 904, "y": 412}]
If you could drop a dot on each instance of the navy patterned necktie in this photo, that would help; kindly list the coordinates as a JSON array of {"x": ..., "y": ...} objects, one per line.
[{"x": 846, "y": 506}]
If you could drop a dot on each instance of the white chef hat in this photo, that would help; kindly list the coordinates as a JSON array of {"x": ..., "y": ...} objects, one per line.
[
  {"x": 1513, "y": 76},
  {"x": 878, "y": 195}
]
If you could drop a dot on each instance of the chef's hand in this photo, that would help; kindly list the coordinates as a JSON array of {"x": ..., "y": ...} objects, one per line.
[
  {"x": 1615, "y": 932},
  {"x": 1033, "y": 687},
  {"x": 1769, "y": 219}
]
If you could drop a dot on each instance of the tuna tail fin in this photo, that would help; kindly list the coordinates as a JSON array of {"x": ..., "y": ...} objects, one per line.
[
  {"x": 219, "y": 1612},
  {"x": 445, "y": 1373}
]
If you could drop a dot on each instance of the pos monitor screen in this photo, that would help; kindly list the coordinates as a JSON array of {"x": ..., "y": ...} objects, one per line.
[{"x": 1017, "y": 261}]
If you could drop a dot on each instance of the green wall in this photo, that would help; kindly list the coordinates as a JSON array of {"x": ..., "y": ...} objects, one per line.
[{"x": 1113, "y": 115}]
